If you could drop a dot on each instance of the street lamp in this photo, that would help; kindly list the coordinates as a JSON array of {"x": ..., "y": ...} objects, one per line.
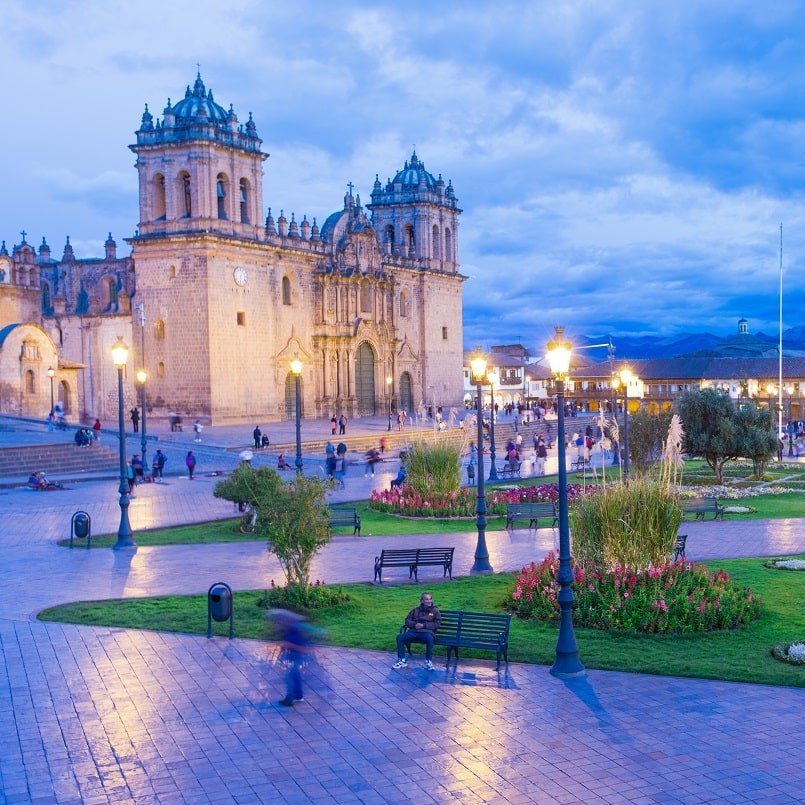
[
  {"x": 626, "y": 377},
  {"x": 120, "y": 354},
  {"x": 142, "y": 376},
  {"x": 51, "y": 375},
  {"x": 478, "y": 376},
  {"x": 389, "y": 381},
  {"x": 493, "y": 378},
  {"x": 567, "y": 663},
  {"x": 296, "y": 371}
]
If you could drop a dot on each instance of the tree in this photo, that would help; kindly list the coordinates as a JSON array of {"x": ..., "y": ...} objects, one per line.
[
  {"x": 758, "y": 437},
  {"x": 292, "y": 516},
  {"x": 647, "y": 433},
  {"x": 718, "y": 432}
]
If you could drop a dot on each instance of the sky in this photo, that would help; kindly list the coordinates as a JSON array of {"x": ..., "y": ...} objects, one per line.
[{"x": 624, "y": 167}]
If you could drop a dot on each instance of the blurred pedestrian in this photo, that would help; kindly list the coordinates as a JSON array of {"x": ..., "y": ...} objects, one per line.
[
  {"x": 294, "y": 651},
  {"x": 135, "y": 419},
  {"x": 197, "y": 428},
  {"x": 190, "y": 463}
]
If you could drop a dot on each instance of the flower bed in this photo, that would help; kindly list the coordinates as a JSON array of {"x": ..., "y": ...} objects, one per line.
[
  {"x": 676, "y": 597},
  {"x": 792, "y": 653},
  {"x": 731, "y": 492},
  {"x": 786, "y": 564},
  {"x": 461, "y": 503}
]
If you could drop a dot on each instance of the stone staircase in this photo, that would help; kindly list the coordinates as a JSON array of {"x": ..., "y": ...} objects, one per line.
[{"x": 58, "y": 459}]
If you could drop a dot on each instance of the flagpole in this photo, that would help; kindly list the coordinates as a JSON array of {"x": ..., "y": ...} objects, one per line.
[{"x": 780, "y": 347}]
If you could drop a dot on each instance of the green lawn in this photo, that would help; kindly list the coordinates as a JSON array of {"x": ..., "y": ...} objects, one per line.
[{"x": 372, "y": 617}]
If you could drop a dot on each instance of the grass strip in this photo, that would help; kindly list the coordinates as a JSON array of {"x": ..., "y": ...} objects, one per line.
[{"x": 371, "y": 618}]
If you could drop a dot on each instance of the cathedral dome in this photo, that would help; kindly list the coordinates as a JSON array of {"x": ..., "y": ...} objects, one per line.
[
  {"x": 198, "y": 103},
  {"x": 413, "y": 173}
]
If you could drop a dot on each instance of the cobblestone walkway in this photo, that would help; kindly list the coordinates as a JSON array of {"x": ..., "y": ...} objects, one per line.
[{"x": 111, "y": 715}]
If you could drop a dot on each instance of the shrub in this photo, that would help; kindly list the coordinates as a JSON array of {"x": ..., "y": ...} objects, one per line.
[
  {"x": 633, "y": 525},
  {"x": 673, "y": 597},
  {"x": 300, "y": 599},
  {"x": 434, "y": 469}
]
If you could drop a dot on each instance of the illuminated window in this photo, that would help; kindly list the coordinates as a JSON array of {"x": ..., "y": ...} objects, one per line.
[{"x": 241, "y": 319}]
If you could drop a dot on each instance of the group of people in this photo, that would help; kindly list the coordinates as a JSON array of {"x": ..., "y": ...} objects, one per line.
[
  {"x": 338, "y": 422},
  {"x": 261, "y": 440},
  {"x": 135, "y": 470},
  {"x": 333, "y": 457},
  {"x": 39, "y": 481}
]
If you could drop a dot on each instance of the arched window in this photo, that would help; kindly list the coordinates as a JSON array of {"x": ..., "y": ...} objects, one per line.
[
  {"x": 22, "y": 276},
  {"x": 159, "y": 330},
  {"x": 65, "y": 397},
  {"x": 389, "y": 238},
  {"x": 409, "y": 240},
  {"x": 244, "y": 201},
  {"x": 30, "y": 382},
  {"x": 160, "y": 369},
  {"x": 437, "y": 252},
  {"x": 159, "y": 197},
  {"x": 286, "y": 291},
  {"x": 220, "y": 193},
  {"x": 172, "y": 272},
  {"x": 111, "y": 286},
  {"x": 448, "y": 245},
  {"x": 187, "y": 201},
  {"x": 404, "y": 304},
  {"x": 46, "y": 302}
]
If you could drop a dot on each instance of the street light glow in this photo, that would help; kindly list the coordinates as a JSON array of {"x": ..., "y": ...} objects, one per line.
[
  {"x": 296, "y": 367},
  {"x": 142, "y": 376},
  {"x": 120, "y": 352},
  {"x": 478, "y": 366},
  {"x": 559, "y": 351}
]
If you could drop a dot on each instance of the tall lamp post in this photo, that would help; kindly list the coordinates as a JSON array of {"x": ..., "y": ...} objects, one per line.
[
  {"x": 567, "y": 663},
  {"x": 120, "y": 355},
  {"x": 626, "y": 377},
  {"x": 493, "y": 378},
  {"x": 389, "y": 381},
  {"x": 478, "y": 371},
  {"x": 296, "y": 371},
  {"x": 142, "y": 376},
  {"x": 51, "y": 375}
]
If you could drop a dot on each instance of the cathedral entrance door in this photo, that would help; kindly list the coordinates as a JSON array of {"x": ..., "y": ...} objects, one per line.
[
  {"x": 365, "y": 380},
  {"x": 406, "y": 393}
]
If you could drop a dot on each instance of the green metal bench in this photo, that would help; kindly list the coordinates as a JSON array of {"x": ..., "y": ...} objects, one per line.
[{"x": 531, "y": 512}]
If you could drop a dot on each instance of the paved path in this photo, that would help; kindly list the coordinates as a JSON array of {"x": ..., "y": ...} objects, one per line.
[{"x": 112, "y": 715}]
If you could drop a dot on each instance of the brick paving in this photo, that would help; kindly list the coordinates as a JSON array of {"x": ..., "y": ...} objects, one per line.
[{"x": 112, "y": 715}]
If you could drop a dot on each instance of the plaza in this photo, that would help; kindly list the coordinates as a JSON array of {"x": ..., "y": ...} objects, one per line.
[{"x": 113, "y": 715}]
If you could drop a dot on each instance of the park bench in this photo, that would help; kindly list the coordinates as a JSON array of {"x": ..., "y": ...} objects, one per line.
[
  {"x": 679, "y": 547},
  {"x": 479, "y": 630},
  {"x": 413, "y": 559},
  {"x": 702, "y": 506},
  {"x": 530, "y": 511},
  {"x": 509, "y": 471},
  {"x": 579, "y": 464},
  {"x": 346, "y": 517}
]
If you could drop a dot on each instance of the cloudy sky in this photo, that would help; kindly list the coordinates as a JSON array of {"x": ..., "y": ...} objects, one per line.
[{"x": 624, "y": 167}]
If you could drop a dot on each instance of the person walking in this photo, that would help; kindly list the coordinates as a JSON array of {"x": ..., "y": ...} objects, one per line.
[
  {"x": 372, "y": 457},
  {"x": 190, "y": 462},
  {"x": 541, "y": 454},
  {"x": 130, "y": 477},
  {"x": 158, "y": 465},
  {"x": 257, "y": 435},
  {"x": 135, "y": 419},
  {"x": 294, "y": 650},
  {"x": 197, "y": 428},
  {"x": 96, "y": 430}
]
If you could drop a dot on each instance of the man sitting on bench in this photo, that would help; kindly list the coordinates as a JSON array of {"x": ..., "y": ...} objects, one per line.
[{"x": 421, "y": 624}]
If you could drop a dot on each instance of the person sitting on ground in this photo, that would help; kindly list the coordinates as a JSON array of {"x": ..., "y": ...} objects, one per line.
[
  {"x": 421, "y": 625},
  {"x": 264, "y": 442},
  {"x": 37, "y": 480},
  {"x": 282, "y": 464},
  {"x": 400, "y": 479}
]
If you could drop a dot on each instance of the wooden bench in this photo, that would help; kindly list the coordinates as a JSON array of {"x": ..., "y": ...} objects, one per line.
[
  {"x": 530, "y": 511},
  {"x": 346, "y": 517},
  {"x": 702, "y": 506},
  {"x": 679, "y": 547},
  {"x": 579, "y": 464},
  {"x": 507, "y": 470},
  {"x": 480, "y": 630},
  {"x": 413, "y": 559}
]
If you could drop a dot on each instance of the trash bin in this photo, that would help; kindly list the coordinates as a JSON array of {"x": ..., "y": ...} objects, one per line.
[
  {"x": 220, "y": 602},
  {"x": 81, "y": 527},
  {"x": 219, "y": 607}
]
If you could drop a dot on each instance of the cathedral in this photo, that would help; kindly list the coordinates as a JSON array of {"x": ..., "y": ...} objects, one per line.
[{"x": 218, "y": 296}]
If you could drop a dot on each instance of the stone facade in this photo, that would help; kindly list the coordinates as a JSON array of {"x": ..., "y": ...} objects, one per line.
[{"x": 215, "y": 300}]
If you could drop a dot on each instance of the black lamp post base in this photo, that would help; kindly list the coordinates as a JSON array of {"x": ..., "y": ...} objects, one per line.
[
  {"x": 125, "y": 544},
  {"x": 482, "y": 567},
  {"x": 568, "y": 668}
]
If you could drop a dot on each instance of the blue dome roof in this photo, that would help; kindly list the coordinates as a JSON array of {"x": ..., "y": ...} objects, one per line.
[
  {"x": 413, "y": 171},
  {"x": 198, "y": 103}
]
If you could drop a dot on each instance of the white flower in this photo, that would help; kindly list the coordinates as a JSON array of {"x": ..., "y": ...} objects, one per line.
[
  {"x": 791, "y": 564},
  {"x": 796, "y": 651}
]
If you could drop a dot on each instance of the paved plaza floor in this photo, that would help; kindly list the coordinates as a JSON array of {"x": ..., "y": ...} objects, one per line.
[{"x": 113, "y": 715}]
